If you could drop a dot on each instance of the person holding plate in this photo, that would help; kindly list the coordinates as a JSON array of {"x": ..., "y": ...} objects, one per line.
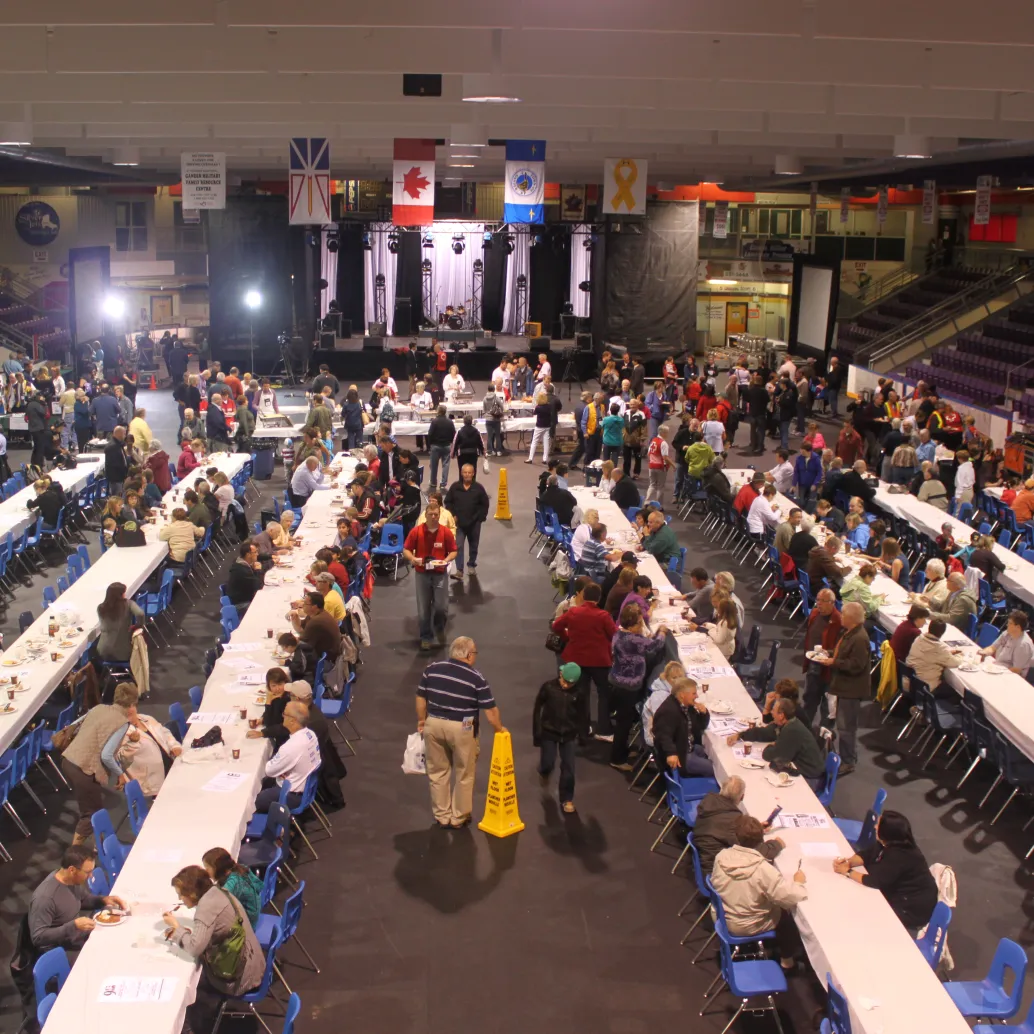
[{"x": 430, "y": 547}]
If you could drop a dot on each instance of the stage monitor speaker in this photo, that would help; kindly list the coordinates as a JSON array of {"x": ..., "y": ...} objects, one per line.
[
  {"x": 327, "y": 340},
  {"x": 379, "y": 329},
  {"x": 403, "y": 317},
  {"x": 583, "y": 324},
  {"x": 373, "y": 344},
  {"x": 332, "y": 322},
  {"x": 484, "y": 345},
  {"x": 540, "y": 343},
  {"x": 567, "y": 325},
  {"x": 421, "y": 85},
  {"x": 583, "y": 342},
  {"x": 346, "y": 328}
]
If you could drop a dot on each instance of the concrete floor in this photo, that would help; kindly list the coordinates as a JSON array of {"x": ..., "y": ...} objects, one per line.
[{"x": 573, "y": 919}]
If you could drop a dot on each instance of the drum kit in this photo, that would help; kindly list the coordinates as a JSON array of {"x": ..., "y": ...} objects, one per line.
[{"x": 455, "y": 317}]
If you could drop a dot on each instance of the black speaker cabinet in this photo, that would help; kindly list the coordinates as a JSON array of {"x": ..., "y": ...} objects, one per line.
[
  {"x": 583, "y": 342},
  {"x": 567, "y": 325},
  {"x": 346, "y": 328},
  {"x": 373, "y": 344},
  {"x": 378, "y": 329},
  {"x": 421, "y": 85},
  {"x": 327, "y": 340},
  {"x": 538, "y": 344},
  {"x": 403, "y": 326}
]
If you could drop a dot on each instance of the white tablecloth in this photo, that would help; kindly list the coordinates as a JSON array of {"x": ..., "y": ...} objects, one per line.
[
  {"x": 185, "y": 820},
  {"x": 848, "y": 930},
  {"x": 15, "y": 515}
]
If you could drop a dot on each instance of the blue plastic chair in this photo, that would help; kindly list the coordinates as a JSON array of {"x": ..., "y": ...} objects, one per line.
[
  {"x": 286, "y": 924},
  {"x": 257, "y": 854},
  {"x": 103, "y": 830},
  {"x": 931, "y": 942},
  {"x": 195, "y": 697},
  {"x": 138, "y": 806},
  {"x": 825, "y": 795},
  {"x": 51, "y": 965},
  {"x": 97, "y": 882},
  {"x": 44, "y": 1007},
  {"x": 229, "y": 616},
  {"x": 259, "y": 993},
  {"x": 84, "y": 555},
  {"x": 702, "y": 891},
  {"x": 74, "y": 569},
  {"x": 294, "y": 1006},
  {"x": 987, "y": 634},
  {"x": 25, "y": 621},
  {"x": 988, "y": 998},
  {"x": 391, "y": 544},
  {"x": 756, "y": 978},
  {"x": 308, "y": 800},
  {"x": 49, "y": 596},
  {"x": 683, "y": 797},
  {"x": 177, "y": 715},
  {"x": 269, "y": 881},
  {"x": 839, "y": 1019},
  {"x": 257, "y": 823},
  {"x": 1026, "y": 1027},
  {"x": 340, "y": 708},
  {"x": 860, "y": 834}
]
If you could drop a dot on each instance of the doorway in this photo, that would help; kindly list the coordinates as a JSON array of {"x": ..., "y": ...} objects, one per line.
[
  {"x": 735, "y": 318},
  {"x": 161, "y": 310}
]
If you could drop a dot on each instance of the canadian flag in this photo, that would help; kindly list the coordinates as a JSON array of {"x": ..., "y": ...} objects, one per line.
[{"x": 412, "y": 195}]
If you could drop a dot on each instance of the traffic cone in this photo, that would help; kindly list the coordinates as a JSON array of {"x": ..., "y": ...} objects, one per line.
[
  {"x": 501, "y": 816},
  {"x": 153, "y": 386},
  {"x": 502, "y": 501}
]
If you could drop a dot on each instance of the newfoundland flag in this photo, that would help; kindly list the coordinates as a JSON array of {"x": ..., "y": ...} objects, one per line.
[{"x": 524, "y": 199}]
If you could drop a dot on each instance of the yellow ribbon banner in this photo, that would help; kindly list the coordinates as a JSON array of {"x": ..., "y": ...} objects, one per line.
[{"x": 626, "y": 172}]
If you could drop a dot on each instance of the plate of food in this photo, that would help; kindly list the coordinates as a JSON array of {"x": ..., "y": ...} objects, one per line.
[
  {"x": 992, "y": 669},
  {"x": 781, "y": 779},
  {"x": 719, "y": 707},
  {"x": 10, "y": 662},
  {"x": 111, "y": 917},
  {"x": 66, "y": 643},
  {"x": 8, "y": 708},
  {"x": 969, "y": 667},
  {"x": 817, "y": 655},
  {"x": 753, "y": 763}
]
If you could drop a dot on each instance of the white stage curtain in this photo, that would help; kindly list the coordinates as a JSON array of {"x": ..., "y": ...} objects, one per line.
[
  {"x": 328, "y": 271},
  {"x": 379, "y": 260},
  {"x": 452, "y": 274},
  {"x": 518, "y": 263},
  {"x": 581, "y": 268}
]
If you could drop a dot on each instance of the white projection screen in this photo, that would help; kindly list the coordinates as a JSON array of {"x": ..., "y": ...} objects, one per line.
[{"x": 813, "y": 306}]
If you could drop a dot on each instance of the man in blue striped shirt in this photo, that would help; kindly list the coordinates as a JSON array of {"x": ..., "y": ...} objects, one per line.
[{"x": 449, "y": 700}]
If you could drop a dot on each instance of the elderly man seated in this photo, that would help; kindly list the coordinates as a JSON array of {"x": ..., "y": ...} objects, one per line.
[
  {"x": 791, "y": 746},
  {"x": 959, "y": 605},
  {"x": 715, "y": 828},
  {"x": 295, "y": 760},
  {"x": 659, "y": 540}
]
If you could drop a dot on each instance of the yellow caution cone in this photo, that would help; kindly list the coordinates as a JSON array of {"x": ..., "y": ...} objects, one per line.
[
  {"x": 501, "y": 817},
  {"x": 502, "y": 500}
]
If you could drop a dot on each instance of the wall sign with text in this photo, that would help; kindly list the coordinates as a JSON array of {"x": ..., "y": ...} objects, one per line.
[{"x": 37, "y": 224}]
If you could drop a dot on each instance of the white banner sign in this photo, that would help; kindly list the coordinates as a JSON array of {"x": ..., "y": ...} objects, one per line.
[
  {"x": 929, "y": 202},
  {"x": 982, "y": 212},
  {"x": 721, "y": 219},
  {"x": 203, "y": 175},
  {"x": 881, "y": 206},
  {"x": 624, "y": 186},
  {"x": 845, "y": 203}
]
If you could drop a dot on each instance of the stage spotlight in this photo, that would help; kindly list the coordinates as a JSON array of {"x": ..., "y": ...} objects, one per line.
[
  {"x": 522, "y": 280},
  {"x": 252, "y": 299},
  {"x": 367, "y": 244},
  {"x": 478, "y": 265},
  {"x": 585, "y": 285},
  {"x": 114, "y": 307},
  {"x": 489, "y": 240},
  {"x": 428, "y": 240},
  {"x": 425, "y": 266},
  {"x": 536, "y": 240},
  {"x": 332, "y": 242},
  {"x": 458, "y": 243},
  {"x": 379, "y": 280},
  {"x": 587, "y": 243},
  {"x": 393, "y": 241},
  {"x": 508, "y": 243}
]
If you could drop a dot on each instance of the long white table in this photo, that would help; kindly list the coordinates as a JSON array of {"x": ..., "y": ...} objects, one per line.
[
  {"x": 38, "y": 675},
  {"x": 15, "y": 515},
  {"x": 186, "y": 820},
  {"x": 410, "y": 428},
  {"x": 848, "y": 930},
  {"x": 1006, "y": 696}
]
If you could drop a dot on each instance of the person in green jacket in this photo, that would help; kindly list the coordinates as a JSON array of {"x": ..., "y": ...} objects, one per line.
[
  {"x": 319, "y": 417},
  {"x": 790, "y": 742},
  {"x": 613, "y": 433},
  {"x": 245, "y": 419},
  {"x": 699, "y": 456},
  {"x": 660, "y": 541},
  {"x": 242, "y": 883}
]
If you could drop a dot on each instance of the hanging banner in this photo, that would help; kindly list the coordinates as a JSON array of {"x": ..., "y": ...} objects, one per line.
[
  {"x": 982, "y": 212},
  {"x": 412, "y": 186},
  {"x": 309, "y": 187},
  {"x": 881, "y": 205},
  {"x": 624, "y": 186},
  {"x": 929, "y": 202},
  {"x": 572, "y": 203},
  {"x": 721, "y": 219},
  {"x": 701, "y": 217},
  {"x": 525, "y": 186},
  {"x": 203, "y": 175},
  {"x": 845, "y": 204}
]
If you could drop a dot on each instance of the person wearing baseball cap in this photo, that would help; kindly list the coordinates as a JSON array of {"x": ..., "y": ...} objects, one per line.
[
  {"x": 628, "y": 559},
  {"x": 559, "y": 720}
]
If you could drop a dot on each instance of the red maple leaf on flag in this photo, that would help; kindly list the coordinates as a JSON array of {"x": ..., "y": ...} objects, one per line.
[{"x": 414, "y": 183}]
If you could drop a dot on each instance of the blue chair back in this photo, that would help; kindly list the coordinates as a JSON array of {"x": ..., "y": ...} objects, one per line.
[
  {"x": 1009, "y": 955},
  {"x": 84, "y": 555},
  {"x": 970, "y": 629},
  {"x": 138, "y": 806},
  {"x": 177, "y": 715},
  {"x": 195, "y": 697},
  {"x": 44, "y": 1007},
  {"x": 278, "y": 820},
  {"x": 392, "y": 538},
  {"x": 51, "y": 965},
  {"x": 931, "y": 943},
  {"x": 987, "y": 634},
  {"x": 836, "y": 1006},
  {"x": 97, "y": 882},
  {"x": 832, "y": 769},
  {"x": 260, "y": 992},
  {"x": 698, "y": 872},
  {"x": 294, "y": 1006},
  {"x": 308, "y": 794},
  {"x": 269, "y": 878},
  {"x": 292, "y": 912},
  {"x": 49, "y": 595}
]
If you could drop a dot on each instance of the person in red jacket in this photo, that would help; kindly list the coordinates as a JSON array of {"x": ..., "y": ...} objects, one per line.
[
  {"x": 587, "y": 631},
  {"x": 748, "y": 493}
]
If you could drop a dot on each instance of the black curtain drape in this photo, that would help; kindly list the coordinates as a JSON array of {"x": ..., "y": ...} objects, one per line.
[
  {"x": 550, "y": 282},
  {"x": 494, "y": 288},
  {"x": 350, "y": 280},
  {"x": 407, "y": 274}
]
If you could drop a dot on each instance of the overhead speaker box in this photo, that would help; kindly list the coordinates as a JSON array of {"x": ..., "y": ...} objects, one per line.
[
  {"x": 421, "y": 85},
  {"x": 373, "y": 344}
]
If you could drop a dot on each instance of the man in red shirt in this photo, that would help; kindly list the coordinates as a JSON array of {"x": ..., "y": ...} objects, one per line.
[
  {"x": 429, "y": 547},
  {"x": 588, "y": 631},
  {"x": 748, "y": 493},
  {"x": 850, "y": 445}
]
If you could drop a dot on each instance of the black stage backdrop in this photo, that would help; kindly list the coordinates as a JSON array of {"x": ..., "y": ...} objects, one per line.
[
  {"x": 407, "y": 275},
  {"x": 350, "y": 285},
  {"x": 252, "y": 246},
  {"x": 644, "y": 285},
  {"x": 494, "y": 287},
  {"x": 550, "y": 281}
]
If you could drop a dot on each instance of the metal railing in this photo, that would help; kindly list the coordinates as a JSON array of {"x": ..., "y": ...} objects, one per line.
[
  {"x": 878, "y": 290},
  {"x": 910, "y": 331},
  {"x": 26, "y": 293}
]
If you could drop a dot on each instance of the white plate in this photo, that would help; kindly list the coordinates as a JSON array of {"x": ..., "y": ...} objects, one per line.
[
  {"x": 8, "y": 708},
  {"x": 104, "y": 926},
  {"x": 812, "y": 656},
  {"x": 996, "y": 670},
  {"x": 776, "y": 779},
  {"x": 719, "y": 707},
  {"x": 969, "y": 667},
  {"x": 753, "y": 762}
]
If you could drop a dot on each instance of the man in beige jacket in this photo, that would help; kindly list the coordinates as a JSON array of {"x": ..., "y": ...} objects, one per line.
[
  {"x": 755, "y": 895},
  {"x": 929, "y": 656}
]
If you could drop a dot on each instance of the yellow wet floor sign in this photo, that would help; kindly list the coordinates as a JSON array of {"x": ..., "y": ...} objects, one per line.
[
  {"x": 501, "y": 817},
  {"x": 502, "y": 499}
]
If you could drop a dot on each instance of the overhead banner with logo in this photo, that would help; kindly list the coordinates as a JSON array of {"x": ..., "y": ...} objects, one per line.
[
  {"x": 624, "y": 186},
  {"x": 412, "y": 190},
  {"x": 721, "y": 219},
  {"x": 982, "y": 212},
  {"x": 309, "y": 189},
  {"x": 572, "y": 202},
  {"x": 929, "y": 201},
  {"x": 525, "y": 187},
  {"x": 845, "y": 204},
  {"x": 881, "y": 205},
  {"x": 203, "y": 175}
]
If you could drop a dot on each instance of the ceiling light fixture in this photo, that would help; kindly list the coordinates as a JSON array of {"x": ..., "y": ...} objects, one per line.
[
  {"x": 126, "y": 156},
  {"x": 468, "y": 136},
  {"x": 465, "y": 156},
  {"x": 460, "y": 165},
  {"x": 15, "y": 134},
  {"x": 788, "y": 165},
  {"x": 909, "y": 145},
  {"x": 721, "y": 282},
  {"x": 489, "y": 89}
]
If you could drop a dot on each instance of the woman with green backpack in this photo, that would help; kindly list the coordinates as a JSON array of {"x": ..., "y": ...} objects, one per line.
[{"x": 221, "y": 939}]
